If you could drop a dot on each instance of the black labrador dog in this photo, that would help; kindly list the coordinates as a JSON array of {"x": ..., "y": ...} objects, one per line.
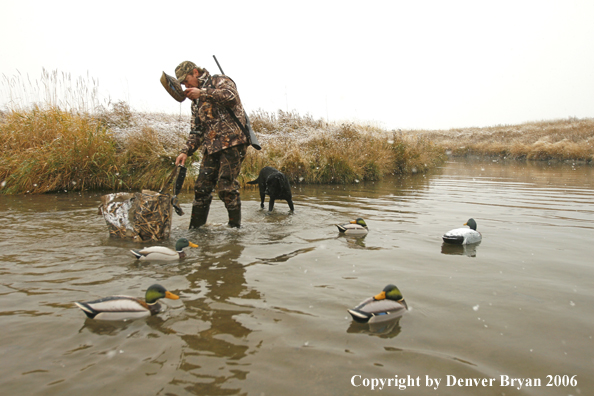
[{"x": 275, "y": 184}]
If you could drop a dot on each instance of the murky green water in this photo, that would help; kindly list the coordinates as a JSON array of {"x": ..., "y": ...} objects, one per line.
[{"x": 263, "y": 308}]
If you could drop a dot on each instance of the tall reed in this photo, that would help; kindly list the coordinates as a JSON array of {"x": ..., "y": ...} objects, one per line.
[
  {"x": 53, "y": 89},
  {"x": 51, "y": 149}
]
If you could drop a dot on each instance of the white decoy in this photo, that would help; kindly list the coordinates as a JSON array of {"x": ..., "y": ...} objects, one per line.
[{"x": 463, "y": 236}]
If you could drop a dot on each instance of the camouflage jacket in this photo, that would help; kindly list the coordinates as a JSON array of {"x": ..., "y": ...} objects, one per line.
[{"x": 212, "y": 125}]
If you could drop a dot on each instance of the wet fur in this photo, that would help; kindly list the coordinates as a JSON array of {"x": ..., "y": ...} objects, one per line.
[{"x": 275, "y": 184}]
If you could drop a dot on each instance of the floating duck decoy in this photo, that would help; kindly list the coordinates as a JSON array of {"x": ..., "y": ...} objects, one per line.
[
  {"x": 126, "y": 307},
  {"x": 385, "y": 306},
  {"x": 463, "y": 236},
  {"x": 355, "y": 227},
  {"x": 162, "y": 253}
]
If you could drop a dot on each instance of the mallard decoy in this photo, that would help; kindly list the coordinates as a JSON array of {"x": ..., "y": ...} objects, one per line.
[
  {"x": 162, "y": 253},
  {"x": 463, "y": 236},
  {"x": 384, "y": 306},
  {"x": 126, "y": 307},
  {"x": 355, "y": 227}
]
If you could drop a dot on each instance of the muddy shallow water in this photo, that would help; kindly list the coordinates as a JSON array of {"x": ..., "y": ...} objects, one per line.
[{"x": 263, "y": 308}]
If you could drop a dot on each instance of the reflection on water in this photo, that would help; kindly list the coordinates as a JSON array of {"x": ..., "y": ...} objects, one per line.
[
  {"x": 356, "y": 242},
  {"x": 101, "y": 327},
  {"x": 263, "y": 308},
  {"x": 385, "y": 329},
  {"x": 221, "y": 278},
  {"x": 466, "y": 250}
]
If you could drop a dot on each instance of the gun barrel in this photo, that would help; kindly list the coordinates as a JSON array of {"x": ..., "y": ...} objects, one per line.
[{"x": 220, "y": 68}]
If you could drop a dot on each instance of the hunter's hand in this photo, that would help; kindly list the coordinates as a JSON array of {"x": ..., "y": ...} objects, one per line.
[
  {"x": 193, "y": 93},
  {"x": 181, "y": 159}
]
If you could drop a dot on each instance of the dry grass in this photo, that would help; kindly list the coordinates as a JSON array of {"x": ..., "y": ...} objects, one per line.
[
  {"x": 50, "y": 150},
  {"x": 566, "y": 139},
  {"x": 53, "y": 89},
  {"x": 68, "y": 140},
  {"x": 313, "y": 151},
  {"x": 45, "y": 148}
]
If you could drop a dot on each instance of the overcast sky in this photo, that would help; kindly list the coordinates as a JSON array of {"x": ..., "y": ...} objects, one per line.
[{"x": 435, "y": 64}]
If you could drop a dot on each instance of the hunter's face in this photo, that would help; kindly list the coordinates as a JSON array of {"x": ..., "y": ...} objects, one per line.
[{"x": 191, "y": 80}]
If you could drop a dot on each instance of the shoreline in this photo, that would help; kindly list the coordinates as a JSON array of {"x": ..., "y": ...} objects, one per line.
[
  {"x": 570, "y": 139},
  {"x": 46, "y": 149}
]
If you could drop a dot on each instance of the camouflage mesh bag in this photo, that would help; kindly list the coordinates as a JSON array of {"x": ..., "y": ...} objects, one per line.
[
  {"x": 172, "y": 86},
  {"x": 140, "y": 216}
]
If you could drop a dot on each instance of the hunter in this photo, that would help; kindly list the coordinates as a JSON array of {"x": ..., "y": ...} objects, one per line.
[{"x": 216, "y": 114}]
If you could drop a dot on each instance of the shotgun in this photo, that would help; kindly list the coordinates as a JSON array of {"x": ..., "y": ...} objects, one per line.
[{"x": 247, "y": 128}]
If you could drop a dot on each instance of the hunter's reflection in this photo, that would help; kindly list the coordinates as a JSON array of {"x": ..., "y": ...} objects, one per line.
[{"x": 218, "y": 279}]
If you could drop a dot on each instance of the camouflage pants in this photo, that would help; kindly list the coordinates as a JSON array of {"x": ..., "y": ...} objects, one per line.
[{"x": 220, "y": 168}]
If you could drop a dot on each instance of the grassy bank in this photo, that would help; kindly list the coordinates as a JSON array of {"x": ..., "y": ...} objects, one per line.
[
  {"x": 50, "y": 150},
  {"x": 558, "y": 140},
  {"x": 314, "y": 151},
  {"x": 47, "y": 149},
  {"x": 73, "y": 142}
]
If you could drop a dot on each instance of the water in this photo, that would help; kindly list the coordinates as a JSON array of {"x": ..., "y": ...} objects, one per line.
[{"x": 263, "y": 308}]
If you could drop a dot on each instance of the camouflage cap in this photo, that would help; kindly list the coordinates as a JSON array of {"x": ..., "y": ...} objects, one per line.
[{"x": 185, "y": 68}]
